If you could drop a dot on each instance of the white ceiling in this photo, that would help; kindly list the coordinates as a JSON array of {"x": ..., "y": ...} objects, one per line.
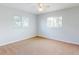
[{"x": 32, "y": 7}]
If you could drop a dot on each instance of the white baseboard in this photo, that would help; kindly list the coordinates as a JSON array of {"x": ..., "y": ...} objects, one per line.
[
  {"x": 3, "y": 44},
  {"x": 40, "y": 36},
  {"x": 59, "y": 39}
]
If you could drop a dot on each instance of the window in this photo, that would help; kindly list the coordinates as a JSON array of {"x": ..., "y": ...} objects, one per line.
[
  {"x": 21, "y": 21},
  {"x": 25, "y": 21},
  {"x": 54, "y": 22}
]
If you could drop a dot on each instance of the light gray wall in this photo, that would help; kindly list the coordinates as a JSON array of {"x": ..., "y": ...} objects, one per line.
[
  {"x": 70, "y": 30},
  {"x": 8, "y": 31}
]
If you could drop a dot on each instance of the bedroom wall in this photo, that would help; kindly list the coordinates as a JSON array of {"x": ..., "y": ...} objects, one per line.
[
  {"x": 9, "y": 31},
  {"x": 69, "y": 32}
]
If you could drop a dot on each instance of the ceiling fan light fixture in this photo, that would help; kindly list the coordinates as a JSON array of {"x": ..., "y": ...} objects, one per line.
[{"x": 40, "y": 7}]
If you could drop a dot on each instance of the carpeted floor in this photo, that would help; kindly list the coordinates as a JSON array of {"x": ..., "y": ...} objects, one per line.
[{"x": 39, "y": 46}]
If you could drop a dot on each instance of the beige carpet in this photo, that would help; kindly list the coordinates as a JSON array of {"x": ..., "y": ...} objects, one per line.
[{"x": 39, "y": 46}]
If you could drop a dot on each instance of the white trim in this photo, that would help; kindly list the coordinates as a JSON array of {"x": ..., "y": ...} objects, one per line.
[
  {"x": 40, "y": 36},
  {"x": 17, "y": 40},
  {"x": 59, "y": 40}
]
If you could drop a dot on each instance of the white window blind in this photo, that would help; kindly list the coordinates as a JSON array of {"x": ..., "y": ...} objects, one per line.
[
  {"x": 54, "y": 22},
  {"x": 21, "y": 21}
]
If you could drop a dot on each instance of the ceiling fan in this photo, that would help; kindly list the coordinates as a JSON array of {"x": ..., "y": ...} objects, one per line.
[{"x": 42, "y": 7}]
